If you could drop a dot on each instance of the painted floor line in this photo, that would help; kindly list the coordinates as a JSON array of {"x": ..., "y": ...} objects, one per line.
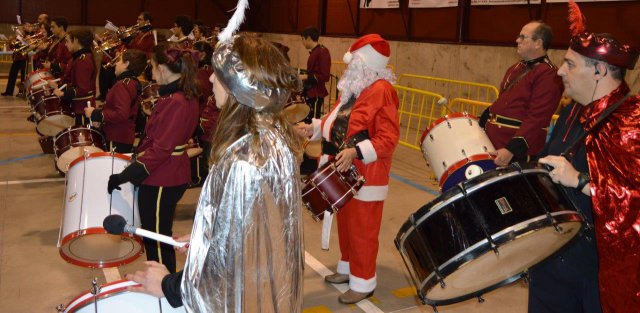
[
  {"x": 323, "y": 271},
  {"x": 27, "y": 157},
  {"x": 415, "y": 185},
  {"x": 405, "y": 309},
  {"x": 31, "y": 181}
]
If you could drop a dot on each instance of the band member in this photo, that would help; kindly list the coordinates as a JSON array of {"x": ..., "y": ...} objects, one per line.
[
  {"x": 318, "y": 72},
  {"x": 245, "y": 251},
  {"x": 208, "y": 115},
  {"x": 593, "y": 75},
  {"x": 530, "y": 92},
  {"x": 362, "y": 130},
  {"x": 56, "y": 56},
  {"x": 143, "y": 40},
  {"x": 79, "y": 75},
  {"x": 120, "y": 110},
  {"x": 162, "y": 169},
  {"x": 19, "y": 62},
  {"x": 201, "y": 32},
  {"x": 182, "y": 27}
]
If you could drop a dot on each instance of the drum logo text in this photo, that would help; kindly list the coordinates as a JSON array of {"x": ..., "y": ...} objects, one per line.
[
  {"x": 73, "y": 196},
  {"x": 503, "y": 205}
]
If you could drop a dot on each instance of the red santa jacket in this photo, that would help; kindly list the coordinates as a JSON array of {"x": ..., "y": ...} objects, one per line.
[
  {"x": 531, "y": 99},
  {"x": 376, "y": 111},
  {"x": 118, "y": 115},
  {"x": 163, "y": 149},
  {"x": 318, "y": 70},
  {"x": 80, "y": 77}
]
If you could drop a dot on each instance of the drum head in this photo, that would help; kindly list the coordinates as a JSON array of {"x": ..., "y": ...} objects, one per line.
[
  {"x": 490, "y": 270},
  {"x": 68, "y": 156},
  {"x": 52, "y": 125},
  {"x": 95, "y": 248}
]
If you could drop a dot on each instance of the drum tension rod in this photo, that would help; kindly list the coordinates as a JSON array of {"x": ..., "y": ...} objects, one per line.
[
  {"x": 480, "y": 299},
  {"x": 543, "y": 204},
  {"x": 479, "y": 219},
  {"x": 429, "y": 253},
  {"x": 435, "y": 309}
]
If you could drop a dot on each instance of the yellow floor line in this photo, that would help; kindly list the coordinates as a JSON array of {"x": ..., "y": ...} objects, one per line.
[
  {"x": 317, "y": 309},
  {"x": 405, "y": 292}
]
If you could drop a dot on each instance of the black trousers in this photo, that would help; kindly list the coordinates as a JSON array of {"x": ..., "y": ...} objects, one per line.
[
  {"x": 107, "y": 78},
  {"x": 119, "y": 147},
  {"x": 18, "y": 66},
  {"x": 157, "y": 208},
  {"x": 315, "y": 108}
]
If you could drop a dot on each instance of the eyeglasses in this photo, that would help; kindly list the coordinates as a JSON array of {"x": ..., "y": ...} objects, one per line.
[{"x": 522, "y": 37}]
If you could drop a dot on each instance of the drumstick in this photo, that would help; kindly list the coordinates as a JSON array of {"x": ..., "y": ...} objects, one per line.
[
  {"x": 62, "y": 87},
  {"x": 90, "y": 121}
]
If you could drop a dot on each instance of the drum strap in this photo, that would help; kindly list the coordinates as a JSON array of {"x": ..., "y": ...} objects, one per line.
[{"x": 571, "y": 151}]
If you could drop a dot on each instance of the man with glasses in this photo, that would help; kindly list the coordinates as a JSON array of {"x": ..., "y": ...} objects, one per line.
[
  {"x": 530, "y": 92},
  {"x": 144, "y": 40}
]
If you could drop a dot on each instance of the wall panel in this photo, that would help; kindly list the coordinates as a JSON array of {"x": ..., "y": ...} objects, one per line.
[
  {"x": 120, "y": 12},
  {"x": 165, "y": 11},
  {"x": 8, "y": 11},
  {"x": 341, "y": 16},
  {"x": 71, "y": 9},
  {"x": 439, "y": 24}
]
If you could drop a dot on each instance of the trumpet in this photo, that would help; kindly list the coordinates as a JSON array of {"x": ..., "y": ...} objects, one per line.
[
  {"x": 133, "y": 30},
  {"x": 115, "y": 59},
  {"x": 35, "y": 41}
]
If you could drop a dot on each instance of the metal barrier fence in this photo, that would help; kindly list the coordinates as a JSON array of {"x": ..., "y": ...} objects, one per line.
[
  {"x": 450, "y": 88},
  {"x": 417, "y": 110}
]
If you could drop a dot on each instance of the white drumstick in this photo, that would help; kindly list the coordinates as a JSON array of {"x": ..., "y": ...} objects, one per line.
[
  {"x": 61, "y": 87},
  {"x": 116, "y": 224},
  {"x": 88, "y": 106}
]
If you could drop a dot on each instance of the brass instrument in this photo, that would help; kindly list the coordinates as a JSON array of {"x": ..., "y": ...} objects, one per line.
[
  {"x": 34, "y": 42},
  {"x": 115, "y": 59},
  {"x": 128, "y": 33}
]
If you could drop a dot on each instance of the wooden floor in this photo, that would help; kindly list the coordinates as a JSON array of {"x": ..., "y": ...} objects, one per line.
[{"x": 34, "y": 278}]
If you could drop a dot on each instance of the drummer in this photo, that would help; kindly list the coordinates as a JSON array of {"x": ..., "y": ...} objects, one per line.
[
  {"x": 118, "y": 115},
  {"x": 79, "y": 76},
  {"x": 162, "y": 169},
  {"x": 361, "y": 130}
]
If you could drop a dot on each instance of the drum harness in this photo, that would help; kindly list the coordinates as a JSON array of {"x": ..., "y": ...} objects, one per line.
[{"x": 339, "y": 131}]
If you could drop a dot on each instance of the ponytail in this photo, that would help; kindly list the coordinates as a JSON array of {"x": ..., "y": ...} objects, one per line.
[{"x": 183, "y": 62}]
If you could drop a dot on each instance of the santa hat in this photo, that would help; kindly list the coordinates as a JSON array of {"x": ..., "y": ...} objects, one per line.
[{"x": 373, "y": 49}]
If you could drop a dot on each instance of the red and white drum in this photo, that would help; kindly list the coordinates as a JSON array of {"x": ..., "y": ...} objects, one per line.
[
  {"x": 75, "y": 142},
  {"x": 83, "y": 240},
  {"x": 38, "y": 78},
  {"x": 456, "y": 149},
  {"x": 52, "y": 115},
  {"x": 114, "y": 297},
  {"x": 327, "y": 189}
]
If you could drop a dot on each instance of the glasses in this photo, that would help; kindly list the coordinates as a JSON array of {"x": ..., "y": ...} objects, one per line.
[{"x": 522, "y": 37}]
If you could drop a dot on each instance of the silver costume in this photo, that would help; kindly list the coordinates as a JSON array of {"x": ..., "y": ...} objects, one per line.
[{"x": 246, "y": 252}]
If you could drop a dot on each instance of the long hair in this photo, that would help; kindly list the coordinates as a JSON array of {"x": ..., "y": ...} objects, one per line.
[
  {"x": 183, "y": 65},
  {"x": 268, "y": 66}
]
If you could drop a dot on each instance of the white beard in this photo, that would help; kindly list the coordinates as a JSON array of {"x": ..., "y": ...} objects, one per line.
[{"x": 358, "y": 76}]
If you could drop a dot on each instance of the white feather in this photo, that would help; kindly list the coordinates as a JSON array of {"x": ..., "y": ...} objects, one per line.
[{"x": 234, "y": 22}]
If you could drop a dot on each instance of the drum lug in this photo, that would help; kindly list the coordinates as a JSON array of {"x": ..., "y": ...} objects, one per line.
[
  {"x": 480, "y": 299},
  {"x": 95, "y": 288},
  {"x": 431, "y": 137},
  {"x": 60, "y": 308},
  {"x": 448, "y": 124},
  {"x": 525, "y": 277}
]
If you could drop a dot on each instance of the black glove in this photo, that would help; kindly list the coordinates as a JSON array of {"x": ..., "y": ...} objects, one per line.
[{"x": 114, "y": 183}]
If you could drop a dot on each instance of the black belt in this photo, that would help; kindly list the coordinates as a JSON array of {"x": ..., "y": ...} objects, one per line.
[
  {"x": 330, "y": 148},
  {"x": 504, "y": 121}
]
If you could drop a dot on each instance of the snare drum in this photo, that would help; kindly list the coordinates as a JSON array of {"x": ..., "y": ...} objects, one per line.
[
  {"x": 52, "y": 115},
  {"x": 83, "y": 241},
  {"x": 485, "y": 233},
  {"x": 74, "y": 142},
  {"x": 36, "y": 95},
  {"x": 114, "y": 297},
  {"x": 149, "y": 97},
  {"x": 456, "y": 148},
  {"x": 327, "y": 189},
  {"x": 38, "y": 78}
]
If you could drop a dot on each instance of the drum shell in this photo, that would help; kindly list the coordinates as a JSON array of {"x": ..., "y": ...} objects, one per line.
[
  {"x": 114, "y": 297},
  {"x": 87, "y": 203},
  {"x": 52, "y": 115},
  {"x": 445, "y": 234},
  {"x": 37, "y": 78},
  {"x": 338, "y": 188},
  {"x": 73, "y": 142}
]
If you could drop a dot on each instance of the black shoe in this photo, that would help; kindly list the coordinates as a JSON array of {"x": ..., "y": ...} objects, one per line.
[{"x": 6, "y": 94}]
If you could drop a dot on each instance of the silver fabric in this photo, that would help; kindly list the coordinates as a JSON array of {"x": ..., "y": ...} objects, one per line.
[
  {"x": 246, "y": 252},
  {"x": 238, "y": 81}
]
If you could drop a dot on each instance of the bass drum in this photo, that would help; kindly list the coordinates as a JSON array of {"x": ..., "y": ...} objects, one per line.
[{"x": 485, "y": 233}]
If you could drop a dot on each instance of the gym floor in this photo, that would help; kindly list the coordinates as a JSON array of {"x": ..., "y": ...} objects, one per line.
[{"x": 34, "y": 278}]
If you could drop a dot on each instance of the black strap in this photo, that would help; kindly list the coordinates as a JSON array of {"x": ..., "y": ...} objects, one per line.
[{"x": 571, "y": 151}]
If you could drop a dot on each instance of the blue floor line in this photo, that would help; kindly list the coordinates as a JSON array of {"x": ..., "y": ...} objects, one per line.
[
  {"x": 32, "y": 156},
  {"x": 412, "y": 184}
]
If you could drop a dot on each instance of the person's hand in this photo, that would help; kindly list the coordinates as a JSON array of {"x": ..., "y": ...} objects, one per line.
[
  {"x": 304, "y": 130},
  {"x": 303, "y": 76},
  {"x": 183, "y": 238},
  {"x": 114, "y": 183},
  {"x": 88, "y": 111},
  {"x": 344, "y": 159},
  {"x": 58, "y": 92},
  {"x": 563, "y": 172},
  {"x": 150, "y": 279},
  {"x": 52, "y": 83},
  {"x": 502, "y": 157}
]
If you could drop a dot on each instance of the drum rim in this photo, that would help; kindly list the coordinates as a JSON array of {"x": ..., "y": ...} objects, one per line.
[
  {"x": 98, "y": 155},
  {"x": 450, "y": 116},
  {"x": 460, "y": 164},
  {"x": 482, "y": 247},
  {"x": 73, "y": 307},
  {"x": 75, "y": 127},
  {"x": 98, "y": 231}
]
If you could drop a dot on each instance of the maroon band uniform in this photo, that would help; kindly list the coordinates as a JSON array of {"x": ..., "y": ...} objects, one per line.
[
  {"x": 143, "y": 41},
  {"x": 318, "y": 70},
  {"x": 80, "y": 77},
  {"x": 59, "y": 56},
  {"x": 118, "y": 115},
  {"x": 529, "y": 95}
]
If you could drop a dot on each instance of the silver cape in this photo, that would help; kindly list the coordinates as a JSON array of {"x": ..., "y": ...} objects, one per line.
[{"x": 246, "y": 252}]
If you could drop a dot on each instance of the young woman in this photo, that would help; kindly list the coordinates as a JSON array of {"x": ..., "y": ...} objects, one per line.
[
  {"x": 246, "y": 251},
  {"x": 120, "y": 110},
  {"x": 79, "y": 75},
  {"x": 162, "y": 168}
]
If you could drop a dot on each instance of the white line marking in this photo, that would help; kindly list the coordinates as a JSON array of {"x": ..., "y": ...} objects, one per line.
[
  {"x": 405, "y": 309},
  {"x": 31, "y": 181},
  {"x": 111, "y": 274},
  {"x": 323, "y": 271}
]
